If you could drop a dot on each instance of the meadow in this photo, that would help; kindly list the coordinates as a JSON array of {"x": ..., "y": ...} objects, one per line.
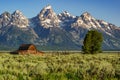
[{"x": 60, "y": 66}]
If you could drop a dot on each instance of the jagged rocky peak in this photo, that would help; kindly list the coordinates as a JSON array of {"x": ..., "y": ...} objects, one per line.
[
  {"x": 90, "y": 21},
  {"x": 47, "y": 12},
  {"x": 65, "y": 15},
  {"x": 103, "y": 22},
  {"x": 19, "y": 20},
  {"x": 5, "y": 19},
  {"x": 48, "y": 7},
  {"x": 48, "y": 17},
  {"x": 79, "y": 22},
  {"x": 105, "y": 25},
  {"x": 87, "y": 16},
  {"x": 5, "y": 15},
  {"x": 17, "y": 13}
]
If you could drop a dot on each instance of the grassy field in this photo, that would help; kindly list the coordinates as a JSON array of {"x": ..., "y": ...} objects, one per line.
[{"x": 60, "y": 66}]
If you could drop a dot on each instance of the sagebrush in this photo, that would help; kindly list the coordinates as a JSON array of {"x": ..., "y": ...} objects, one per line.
[{"x": 55, "y": 66}]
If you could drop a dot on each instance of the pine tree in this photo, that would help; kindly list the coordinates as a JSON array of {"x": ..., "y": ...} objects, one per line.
[{"x": 92, "y": 42}]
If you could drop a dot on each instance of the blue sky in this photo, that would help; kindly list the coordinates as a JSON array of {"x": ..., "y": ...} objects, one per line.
[{"x": 108, "y": 10}]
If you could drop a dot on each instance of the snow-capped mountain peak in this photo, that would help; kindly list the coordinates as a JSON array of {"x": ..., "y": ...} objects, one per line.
[
  {"x": 87, "y": 16},
  {"x": 48, "y": 17},
  {"x": 5, "y": 15},
  {"x": 90, "y": 21},
  {"x": 5, "y": 19},
  {"x": 17, "y": 12},
  {"x": 19, "y": 20},
  {"x": 48, "y": 7},
  {"x": 65, "y": 15}
]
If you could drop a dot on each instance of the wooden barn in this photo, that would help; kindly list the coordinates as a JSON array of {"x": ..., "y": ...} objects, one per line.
[{"x": 27, "y": 49}]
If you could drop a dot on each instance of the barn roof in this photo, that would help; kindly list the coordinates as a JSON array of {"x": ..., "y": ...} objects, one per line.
[{"x": 25, "y": 46}]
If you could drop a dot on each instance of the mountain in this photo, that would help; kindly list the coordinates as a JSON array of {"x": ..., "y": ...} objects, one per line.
[
  {"x": 19, "y": 20},
  {"x": 47, "y": 26},
  {"x": 51, "y": 31},
  {"x": 46, "y": 18},
  {"x": 15, "y": 30}
]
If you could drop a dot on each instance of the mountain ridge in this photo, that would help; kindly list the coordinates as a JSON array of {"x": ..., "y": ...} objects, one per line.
[{"x": 48, "y": 29}]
